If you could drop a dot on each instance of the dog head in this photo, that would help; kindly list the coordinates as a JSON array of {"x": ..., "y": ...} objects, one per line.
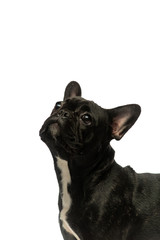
[{"x": 78, "y": 127}]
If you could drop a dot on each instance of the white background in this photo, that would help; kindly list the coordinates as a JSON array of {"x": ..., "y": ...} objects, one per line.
[{"x": 112, "y": 48}]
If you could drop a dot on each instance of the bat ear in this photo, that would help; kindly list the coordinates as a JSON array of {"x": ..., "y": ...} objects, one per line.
[
  {"x": 73, "y": 89},
  {"x": 122, "y": 119}
]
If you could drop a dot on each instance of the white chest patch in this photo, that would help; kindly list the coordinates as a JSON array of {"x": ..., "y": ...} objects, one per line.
[{"x": 66, "y": 198}]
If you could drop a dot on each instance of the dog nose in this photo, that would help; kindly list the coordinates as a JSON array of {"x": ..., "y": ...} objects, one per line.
[{"x": 63, "y": 114}]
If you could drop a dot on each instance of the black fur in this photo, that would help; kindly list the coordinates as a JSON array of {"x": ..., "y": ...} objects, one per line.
[{"x": 108, "y": 202}]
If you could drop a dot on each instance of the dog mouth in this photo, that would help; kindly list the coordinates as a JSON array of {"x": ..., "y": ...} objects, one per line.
[{"x": 54, "y": 129}]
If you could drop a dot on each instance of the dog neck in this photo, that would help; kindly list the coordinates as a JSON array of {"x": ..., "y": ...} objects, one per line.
[
  {"x": 75, "y": 182},
  {"x": 82, "y": 168}
]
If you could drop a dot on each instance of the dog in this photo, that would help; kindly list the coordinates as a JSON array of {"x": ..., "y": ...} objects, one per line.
[{"x": 99, "y": 199}]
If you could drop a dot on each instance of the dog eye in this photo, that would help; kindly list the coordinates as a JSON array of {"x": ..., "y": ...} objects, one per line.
[
  {"x": 58, "y": 105},
  {"x": 86, "y": 118}
]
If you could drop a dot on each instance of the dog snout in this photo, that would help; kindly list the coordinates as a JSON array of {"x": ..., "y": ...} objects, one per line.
[
  {"x": 48, "y": 122},
  {"x": 56, "y": 118}
]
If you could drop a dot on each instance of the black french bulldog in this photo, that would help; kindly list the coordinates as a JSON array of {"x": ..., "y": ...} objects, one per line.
[{"x": 99, "y": 200}]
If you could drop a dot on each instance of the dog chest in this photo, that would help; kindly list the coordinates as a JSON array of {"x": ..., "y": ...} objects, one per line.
[{"x": 65, "y": 196}]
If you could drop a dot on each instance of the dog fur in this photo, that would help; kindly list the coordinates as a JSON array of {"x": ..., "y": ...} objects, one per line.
[{"x": 99, "y": 199}]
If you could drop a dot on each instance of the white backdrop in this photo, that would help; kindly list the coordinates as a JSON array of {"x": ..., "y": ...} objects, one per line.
[{"x": 112, "y": 48}]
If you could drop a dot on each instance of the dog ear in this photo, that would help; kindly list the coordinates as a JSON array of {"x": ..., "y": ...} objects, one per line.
[
  {"x": 73, "y": 89},
  {"x": 122, "y": 119}
]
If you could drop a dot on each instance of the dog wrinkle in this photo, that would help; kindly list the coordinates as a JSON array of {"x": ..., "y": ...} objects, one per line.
[{"x": 66, "y": 198}]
